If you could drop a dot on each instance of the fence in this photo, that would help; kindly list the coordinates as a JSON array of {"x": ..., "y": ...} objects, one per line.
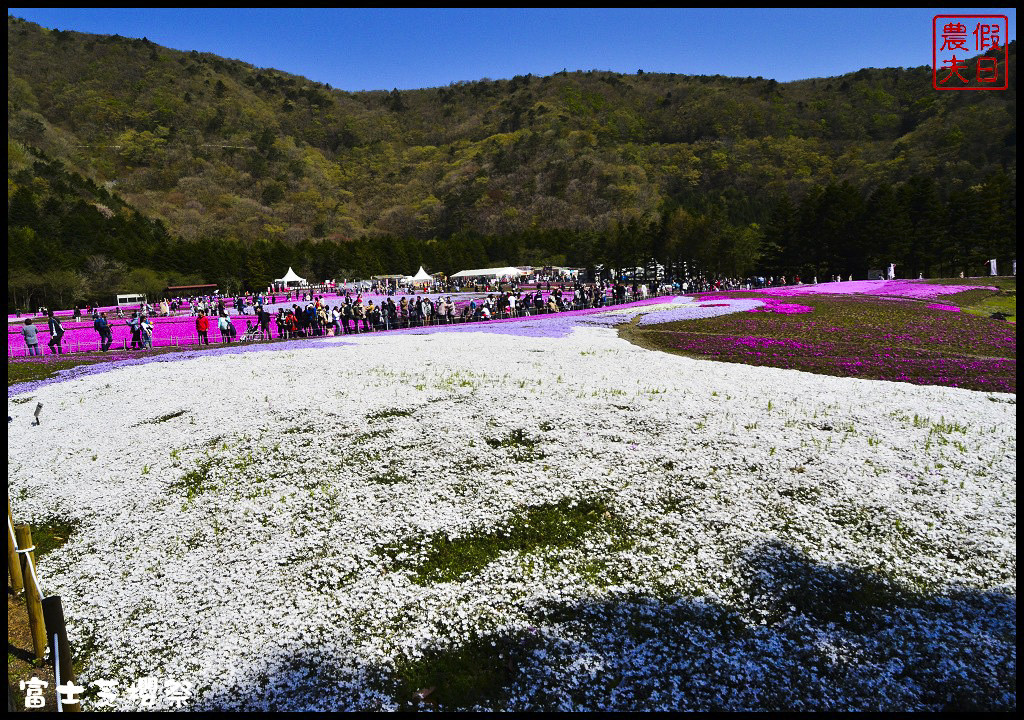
[
  {"x": 190, "y": 339},
  {"x": 45, "y": 619}
]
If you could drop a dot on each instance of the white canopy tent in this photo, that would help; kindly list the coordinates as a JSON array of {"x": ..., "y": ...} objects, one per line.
[
  {"x": 422, "y": 276},
  {"x": 501, "y": 272},
  {"x": 290, "y": 279}
]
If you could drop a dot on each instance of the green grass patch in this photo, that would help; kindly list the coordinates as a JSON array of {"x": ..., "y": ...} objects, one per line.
[
  {"x": 47, "y": 537},
  {"x": 555, "y": 525},
  {"x": 999, "y": 305},
  {"x": 389, "y": 413},
  {"x": 389, "y": 477},
  {"x": 164, "y": 418},
  {"x": 195, "y": 482},
  {"x": 523, "y": 448},
  {"x": 34, "y": 371},
  {"x": 473, "y": 674}
]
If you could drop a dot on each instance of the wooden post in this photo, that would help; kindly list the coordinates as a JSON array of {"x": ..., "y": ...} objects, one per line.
[
  {"x": 56, "y": 632},
  {"x": 32, "y": 593},
  {"x": 13, "y": 563}
]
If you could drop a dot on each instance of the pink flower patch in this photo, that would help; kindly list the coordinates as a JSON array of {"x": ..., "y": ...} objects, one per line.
[
  {"x": 775, "y": 306},
  {"x": 714, "y": 305},
  {"x": 940, "y": 306}
]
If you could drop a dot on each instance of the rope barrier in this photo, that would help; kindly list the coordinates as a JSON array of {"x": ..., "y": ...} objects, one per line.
[
  {"x": 32, "y": 569},
  {"x": 31, "y": 565}
]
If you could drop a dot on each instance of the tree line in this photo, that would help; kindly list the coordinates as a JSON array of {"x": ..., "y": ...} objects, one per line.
[{"x": 71, "y": 241}]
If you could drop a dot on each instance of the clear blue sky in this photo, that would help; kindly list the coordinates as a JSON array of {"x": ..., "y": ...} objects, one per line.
[{"x": 355, "y": 49}]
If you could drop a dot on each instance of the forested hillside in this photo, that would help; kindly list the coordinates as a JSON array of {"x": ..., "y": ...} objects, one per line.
[{"x": 125, "y": 156}]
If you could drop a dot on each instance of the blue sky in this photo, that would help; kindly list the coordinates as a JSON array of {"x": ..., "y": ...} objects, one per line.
[{"x": 373, "y": 49}]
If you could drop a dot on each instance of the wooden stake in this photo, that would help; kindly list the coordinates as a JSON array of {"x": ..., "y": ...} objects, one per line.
[
  {"x": 35, "y": 608},
  {"x": 56, "y": 631},
  {"x": 13, "y": 563}
]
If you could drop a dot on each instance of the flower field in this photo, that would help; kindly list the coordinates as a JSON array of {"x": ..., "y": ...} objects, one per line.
[
  {"x": 876, "y": 337},
  {"x": 535, "y": 514}
]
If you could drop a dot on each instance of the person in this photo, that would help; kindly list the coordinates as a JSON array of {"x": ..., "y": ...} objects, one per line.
[
  {"x": 392, "y": 312},
  {"x": 56, "y": 333},
  {"x": 31, "y": 341},
  {"x": 359, "y": 313},
  {"x": 98, "y": 324},
  {"x": 347, "y": 314},
  {"x": 102, "y": 326},
  {"x": 203, "y": 328},
  {"x": 225, "y": 327},
  {"x": 146, "y": 332},
  {"x": 322, "y": 319},
  {"x": 265, "y": 324},
  {"x": 403, "y": 306},
  {"x": 135, "y": 325},
  {"x": 335, "y": 321},
  {"x": 370, "y": 317}
]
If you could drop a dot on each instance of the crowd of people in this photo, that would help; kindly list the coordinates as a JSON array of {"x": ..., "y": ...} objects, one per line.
[
  {"x": 352, "y": 315},
  {"x": 314, "y": 315}
]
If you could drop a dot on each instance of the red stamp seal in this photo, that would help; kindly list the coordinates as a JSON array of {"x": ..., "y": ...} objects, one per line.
[{"x": 970, "y": 52}]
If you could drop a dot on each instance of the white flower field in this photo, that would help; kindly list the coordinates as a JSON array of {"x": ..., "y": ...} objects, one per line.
[{"x": 484, "y": 520}]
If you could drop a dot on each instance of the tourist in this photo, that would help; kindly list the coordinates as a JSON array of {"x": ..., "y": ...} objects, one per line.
[
  {"x": 135, "y": 326},
  {"x": 225, "y": 327},
  {"x": 346, "y": 315},
  {"x": 265, "y": 324},
  {"x": 102, "y": 326},
  {"x": 403, "y": 306},
  {"x": 56, "y": 333},
  {"x": 322, "y": 320},
  {"x": 29, "y": 333},
  {"x": 358, "y": 313},
  {"x": 146, "y": 332},
  {"x": 203, "y": 328},
  {"x": 335, "y": 322}
]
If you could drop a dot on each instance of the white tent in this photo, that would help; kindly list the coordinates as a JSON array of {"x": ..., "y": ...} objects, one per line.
[
  {"x": 422, "y": 276},
  {"x": 490, "y": 273},
  {"x": 290, "y": 279}
]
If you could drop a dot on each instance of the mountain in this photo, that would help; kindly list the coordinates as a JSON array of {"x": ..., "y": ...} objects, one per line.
[{"x": 198, "y": 156}]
